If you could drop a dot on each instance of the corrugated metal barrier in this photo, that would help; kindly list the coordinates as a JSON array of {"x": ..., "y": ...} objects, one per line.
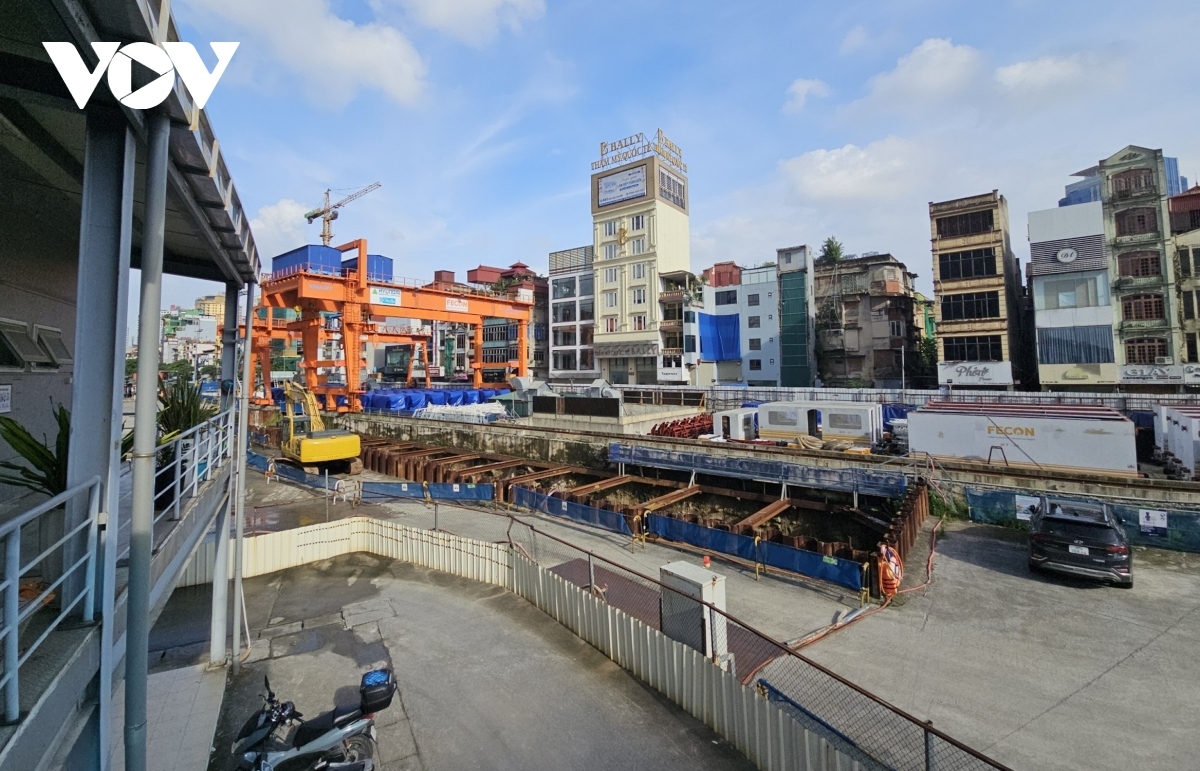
[{"x": 885, "y": 483}]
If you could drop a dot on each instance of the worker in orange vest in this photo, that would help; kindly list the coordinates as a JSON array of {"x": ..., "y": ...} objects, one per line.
[{"x": 891, "y": 570}]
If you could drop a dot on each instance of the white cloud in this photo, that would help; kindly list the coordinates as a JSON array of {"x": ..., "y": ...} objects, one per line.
[
  {"x": 280, "y": 227},
  {"x": 881, "y": 169},
  {"x": 855, "y": 40},
  {"x": 1053, "y": 80},
  {"x": 934, "y": 71},
  {"x": 474, "y": 22},
  {"x": 332, "y": 57},
  {"x": 799, "y": 92}
]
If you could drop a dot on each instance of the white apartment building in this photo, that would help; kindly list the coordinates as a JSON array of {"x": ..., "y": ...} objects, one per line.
[
  {"x": 572, "y": 316},
  {"x": 749, "y": 295},
  {"x": 641, "y": 251},
  {"x": 1072, "y": 302}
]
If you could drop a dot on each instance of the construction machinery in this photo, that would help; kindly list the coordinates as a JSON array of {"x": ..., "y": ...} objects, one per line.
[
  {"x": 306, "y": 442},
  {"x": 342, "y": 305},
  {"x": 329, "y": 212}
]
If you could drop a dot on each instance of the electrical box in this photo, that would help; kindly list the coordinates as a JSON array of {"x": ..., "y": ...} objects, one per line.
[{"x": 686, "y": 620}]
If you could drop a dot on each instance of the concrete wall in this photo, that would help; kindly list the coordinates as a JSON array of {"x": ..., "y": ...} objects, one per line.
[{"x": 634, "y": 420}]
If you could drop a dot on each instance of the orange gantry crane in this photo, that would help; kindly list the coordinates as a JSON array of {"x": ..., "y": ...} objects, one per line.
[{"x": 361, "y": 304}]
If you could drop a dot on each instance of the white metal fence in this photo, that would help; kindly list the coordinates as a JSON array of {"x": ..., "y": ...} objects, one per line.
[{"x": 45, "y": 576}]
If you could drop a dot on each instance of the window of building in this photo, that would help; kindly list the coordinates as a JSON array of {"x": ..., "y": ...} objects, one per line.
[
  {"x": 639, "y": 322},
  {"x": 756, "y": 364},
  {"x": 564, "y": 336},
  {"x": 1191, "y": 347},
  {"x": 586, "y": 334},
  {"x": 587, "y": 310},
  {"x": 1139, "y": 264},
  {"x": 563, "y": 288},
  {"x": 974, "y": 348},
  {"x": 637, "y": 246},
  {"x": 493, "y": 333},
  {"x": 896, "y": 328},
  {"x": 1133, "y": 222},
  {"x": 637, "y": 222},
  {"x": 564, "y": 360},
  {"x": 689, "y": 317},
  {"x": 754, "y": 322},
  {"x": 610, "y": 275},
  {"x": 689, "y": 343},
  {"x": 563, "y": 312},
  {"x": 585, "y": 285},
  {"x": 610, "y": 251},
  {"x": 610, "y": 323},
  {"x": 965, "y": 224},
  {"x": 1145, "y": 350},
  {"x": 727, "y": 297},
  {"x": 586, "y": 359},
  {"x": 610, "y": 299},
  {"x": 751, "y": 299},
  {"x": 756, "y": 343},
  {"x": 638, "y": 296},
  {"x": 972, "y": 305},
  {"x": 1141, "y": 307},
  {"x": 968, "y": 264},
  {"x": 610, "y": 228},
  {"x": 1079, "y": 290},
  {"x": 1189, "y": 306},
  {"x": 1132, "y": 181},
  {"x": 638, "y": 270},
  {"x": 1075, "y": 345},
  {"x": 1185, "y": 263}
]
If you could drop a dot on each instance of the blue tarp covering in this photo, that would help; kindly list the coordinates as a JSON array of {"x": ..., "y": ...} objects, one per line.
[
  {"x": 806, "y": 563},
  {"x": 435, "y": 397},
  {"x": 378, "y": 491},
  {"x": 895, "y": 411},
  {"x": 720, "y": 337},
  {"x": 382, "y": 490},
  {"x": 461, "y": 492},
  {"x": 1142, "y": 418},
  {"x": 486, "y": 393},
  {"x": 889, "y": 484},
  {"x": 470, "y": 397},
  {"x": 416, "y": 400},
  {"x": 588, "y": 515},
  {"x": 454, "y": 398}
]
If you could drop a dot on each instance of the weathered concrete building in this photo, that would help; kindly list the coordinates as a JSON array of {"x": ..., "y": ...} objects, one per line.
[
  {"x": 976, "y": 286},
  {"x": 864, "y": 321},
  {"x": 1185, "y": 245}
]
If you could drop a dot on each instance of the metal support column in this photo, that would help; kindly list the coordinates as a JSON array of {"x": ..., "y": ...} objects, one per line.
[
  {"x": 243, "y": 445},
  {"x": 101, "y": 308},
  {"x": 145, "y": 437},
  {"x": 218, "y": 627}
]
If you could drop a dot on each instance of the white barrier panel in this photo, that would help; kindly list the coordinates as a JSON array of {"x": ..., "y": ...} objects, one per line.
[{"x": 767, "y": 735}]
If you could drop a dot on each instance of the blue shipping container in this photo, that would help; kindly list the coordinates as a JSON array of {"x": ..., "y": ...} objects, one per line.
[
  {"x": 379, "y": 268},
  {"x": 312, "y": 258}
]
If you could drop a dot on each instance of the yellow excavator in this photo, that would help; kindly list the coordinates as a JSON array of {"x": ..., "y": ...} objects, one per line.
[{"x": 306, "y": 441}]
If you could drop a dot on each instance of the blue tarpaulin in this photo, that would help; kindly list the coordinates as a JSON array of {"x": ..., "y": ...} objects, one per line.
[
  {"x": 832, "y": 569},
  {"x": 893, "y": 412},
  {"x": 720, "y": 337},
  {"x": 588, "y": 515}
]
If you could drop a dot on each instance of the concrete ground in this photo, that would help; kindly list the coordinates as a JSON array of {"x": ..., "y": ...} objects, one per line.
[
  {"x": 1039, "y": 672},
  {"x": 486, "y": 680}
]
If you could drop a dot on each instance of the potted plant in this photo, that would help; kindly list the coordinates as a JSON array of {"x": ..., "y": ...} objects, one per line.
[
  {"x": 179, "y": 409},
  {"x": 46, "y": 471}
]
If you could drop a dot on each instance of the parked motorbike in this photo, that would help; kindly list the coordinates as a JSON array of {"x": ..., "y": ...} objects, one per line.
[{"x": 277, "y": 738}]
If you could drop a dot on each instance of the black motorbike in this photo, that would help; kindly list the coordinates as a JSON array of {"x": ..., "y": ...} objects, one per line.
[{"x": 277, "y": 738}]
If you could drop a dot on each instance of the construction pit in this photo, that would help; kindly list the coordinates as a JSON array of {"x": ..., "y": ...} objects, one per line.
[{"x": 825, "y": 522}]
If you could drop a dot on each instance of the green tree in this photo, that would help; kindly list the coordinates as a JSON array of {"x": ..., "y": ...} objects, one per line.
[
  {"x": 831, "y": 250},
  {"x": 210, "y": 371},
  {"x": 130, "y": 367},
  {"x": 177, "y": 369}
]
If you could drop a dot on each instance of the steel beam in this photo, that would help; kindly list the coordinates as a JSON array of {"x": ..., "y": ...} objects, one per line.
[{"x": 763, "y": 515}]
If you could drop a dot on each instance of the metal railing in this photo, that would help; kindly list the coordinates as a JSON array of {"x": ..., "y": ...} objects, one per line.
[
  {"x": 20, "y": 616},
  {"x": 194, "y": 458}
]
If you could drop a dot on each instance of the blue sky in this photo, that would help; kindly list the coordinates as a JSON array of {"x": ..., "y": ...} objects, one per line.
[{"x": 797, "y": 120}]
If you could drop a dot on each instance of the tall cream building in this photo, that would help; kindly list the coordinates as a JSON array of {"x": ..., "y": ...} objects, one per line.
[{"x": 642, "y": 263}]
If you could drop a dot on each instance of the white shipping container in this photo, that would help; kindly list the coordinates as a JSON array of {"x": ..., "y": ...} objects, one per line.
[
  {"x": 741, "y": 423},
  {"x": 1182, "y": 431},
  {"x": 1081, "y": 444}
]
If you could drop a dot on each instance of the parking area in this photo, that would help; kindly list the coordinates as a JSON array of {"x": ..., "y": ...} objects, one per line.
[{"x": 1039, "y": 671}]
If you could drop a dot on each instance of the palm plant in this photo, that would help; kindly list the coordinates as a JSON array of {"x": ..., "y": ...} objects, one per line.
[
  {"x": 180, "y": 408},
  {"x": 47, "y": 469}
]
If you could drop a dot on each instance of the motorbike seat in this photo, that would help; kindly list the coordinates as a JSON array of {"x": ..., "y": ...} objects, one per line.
[{"x": 325, "y": 722}]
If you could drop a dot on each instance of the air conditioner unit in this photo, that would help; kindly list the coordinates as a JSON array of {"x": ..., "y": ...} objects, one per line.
[{"x": 1164, "y": 360}]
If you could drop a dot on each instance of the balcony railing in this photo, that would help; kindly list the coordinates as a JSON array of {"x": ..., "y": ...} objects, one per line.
[
  {"x": 1136, "y": 192},
  {"x": 673, "y": 295},
  {"x": 18, "y": 615}
]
